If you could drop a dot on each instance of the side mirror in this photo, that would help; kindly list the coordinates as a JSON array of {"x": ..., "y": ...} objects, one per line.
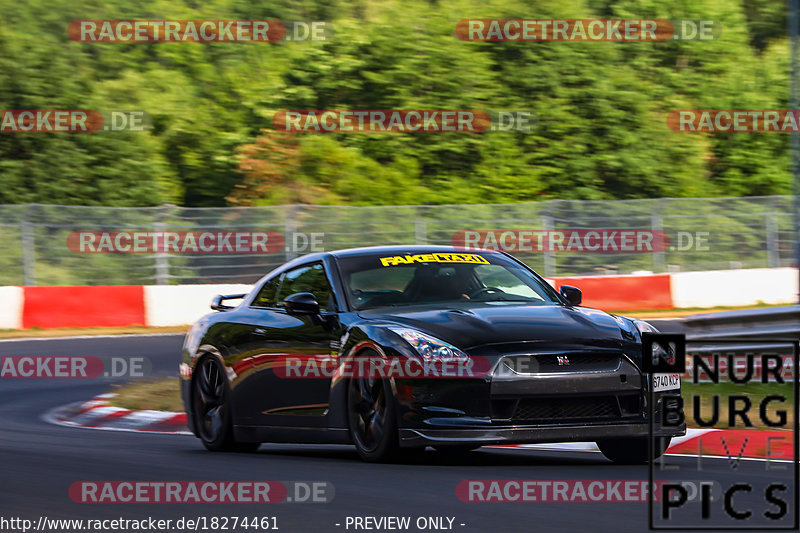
[
  {"x": 217, "y": 305},
  {"x": 571, "y": 294},
  {"x": 301, "y": 303}
]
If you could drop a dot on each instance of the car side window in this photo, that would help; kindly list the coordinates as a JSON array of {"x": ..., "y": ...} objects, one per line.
[
  {"x": 309, "y": 278},
  {"x": 266, "y": 296}
]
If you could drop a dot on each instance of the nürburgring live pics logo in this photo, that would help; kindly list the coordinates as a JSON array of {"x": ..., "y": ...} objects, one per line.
[{"x": 748, "y": 500}]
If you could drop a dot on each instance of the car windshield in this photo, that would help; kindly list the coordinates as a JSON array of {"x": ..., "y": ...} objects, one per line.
[{"x": 384, "y": 279}]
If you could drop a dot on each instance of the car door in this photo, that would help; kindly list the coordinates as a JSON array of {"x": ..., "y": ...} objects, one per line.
[{"x": 278, "y": 390}]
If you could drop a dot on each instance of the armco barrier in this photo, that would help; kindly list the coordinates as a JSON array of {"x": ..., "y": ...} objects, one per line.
[
  {"x": 173, "y": 305},
  {"x": 751, "y": 326}
]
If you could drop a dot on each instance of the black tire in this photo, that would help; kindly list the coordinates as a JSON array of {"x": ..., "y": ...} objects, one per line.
[
  {"x": 211, "y": 409},
  {"x": 372, "y": 418},
  {"x": 632, "y": 451}
]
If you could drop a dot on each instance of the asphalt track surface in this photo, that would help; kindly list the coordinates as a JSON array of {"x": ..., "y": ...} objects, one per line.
[{"x": 40, "y": 460}]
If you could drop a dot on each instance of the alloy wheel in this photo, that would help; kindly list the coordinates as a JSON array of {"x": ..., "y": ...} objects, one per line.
[
  {"x": 368, "y": 407},
  {"x": 210, "y": 400}
]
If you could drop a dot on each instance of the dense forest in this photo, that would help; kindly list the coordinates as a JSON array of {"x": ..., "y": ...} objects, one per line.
[{"x": 600, "y": 106}]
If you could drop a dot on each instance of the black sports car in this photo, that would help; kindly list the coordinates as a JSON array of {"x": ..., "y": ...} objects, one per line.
[{"x": 397, "y": 348}]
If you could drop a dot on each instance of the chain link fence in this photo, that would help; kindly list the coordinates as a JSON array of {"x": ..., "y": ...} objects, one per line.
[{"x": 704, "y": 234}]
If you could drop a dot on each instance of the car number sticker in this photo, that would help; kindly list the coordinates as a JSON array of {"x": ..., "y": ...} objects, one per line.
[{"x": 666, "y": 382}]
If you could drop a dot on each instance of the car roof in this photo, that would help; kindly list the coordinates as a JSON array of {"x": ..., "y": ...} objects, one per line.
[
  {"x": 403, "y": 249},
  {"x": 387, "y": 250},
  {"x": 371, "y": 250},
  {"x": 368, "y": 250}
]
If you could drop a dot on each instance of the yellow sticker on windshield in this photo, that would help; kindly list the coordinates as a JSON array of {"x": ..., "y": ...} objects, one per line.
[{"x": 433, "y": 258}]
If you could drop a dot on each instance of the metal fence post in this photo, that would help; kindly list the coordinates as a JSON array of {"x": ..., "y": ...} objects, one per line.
[
  {"x": 773, "y": 253},
  {"x": 289, "y": 229},
  {"x": 28, "y": 253},
  {"x": 549, "y": 256},
  {"x": 162, "y": 259},
  {"x": 657, "y": 225},
  {"x": 420, "y": 232},
  {"x": 793, "y": 20}
]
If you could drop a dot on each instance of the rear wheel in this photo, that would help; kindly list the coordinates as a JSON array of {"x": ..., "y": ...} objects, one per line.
[
  {"x": 632, "y": 450},
  {"x": 372, "y": 419},
  {"x": 211, "y": 409}
]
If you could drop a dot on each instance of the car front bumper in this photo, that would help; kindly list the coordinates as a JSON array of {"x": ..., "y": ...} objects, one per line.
[
  {"x": 530, "y": 435},
  {"x": 601, "y": 396}
]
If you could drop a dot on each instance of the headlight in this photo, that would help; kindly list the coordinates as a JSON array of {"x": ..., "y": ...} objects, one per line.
[
  {"x": 658, "y": 352},
  {"x": 643, "y": 327},
  {"x": 430, "y": 348}
]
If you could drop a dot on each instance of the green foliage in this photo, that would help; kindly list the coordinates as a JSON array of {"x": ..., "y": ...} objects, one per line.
[{"x": 601, "y": 107}]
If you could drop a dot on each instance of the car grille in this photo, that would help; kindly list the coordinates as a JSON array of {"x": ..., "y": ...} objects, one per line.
[
  {"x": 575, "y": 362},
  {"x": 576, "y": 409}
]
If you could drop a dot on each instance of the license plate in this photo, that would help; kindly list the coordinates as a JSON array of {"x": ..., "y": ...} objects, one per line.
[{"x": 666, "y": 382}]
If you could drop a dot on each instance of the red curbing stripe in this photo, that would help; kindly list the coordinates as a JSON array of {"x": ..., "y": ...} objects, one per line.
[
  {"x": 113, "y": 416},
  {"x": 724, "y": 443},
  {"x": 94, "y": 403},
  {"x": 86, "y": 409},
  {"x": 173, "y": 423},
  {"x": 775, "y": 445}
]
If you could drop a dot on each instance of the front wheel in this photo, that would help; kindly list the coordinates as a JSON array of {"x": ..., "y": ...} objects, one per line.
[
  {"x": 211, "y": 409},
  {"x": 632, "y": 450},
  {"x": 373, "y": 424}
]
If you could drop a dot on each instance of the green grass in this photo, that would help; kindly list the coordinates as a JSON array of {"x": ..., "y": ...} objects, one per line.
[
  {"x": 68, "y": 332},
  {"x": 159, "y": 395},
  {"x": 756, "y": 392}
]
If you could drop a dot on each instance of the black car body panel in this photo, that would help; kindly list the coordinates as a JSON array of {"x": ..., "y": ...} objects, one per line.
[{"x": 601, "y": 394}]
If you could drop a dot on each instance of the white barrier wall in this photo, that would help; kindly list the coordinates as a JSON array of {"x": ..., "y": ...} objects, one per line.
[
  {"x": 716, "y": 288},
  {"x": 177, "y": 305},
  {"x": 12, "y": 299}
]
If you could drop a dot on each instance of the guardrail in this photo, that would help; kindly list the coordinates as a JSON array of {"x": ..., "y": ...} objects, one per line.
[
  {"x": 737, "y": 333},
  {"x": 774, "y": 323}
]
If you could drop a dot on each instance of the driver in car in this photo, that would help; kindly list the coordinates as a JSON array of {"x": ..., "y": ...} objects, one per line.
[{"x": 434, "y": 282}]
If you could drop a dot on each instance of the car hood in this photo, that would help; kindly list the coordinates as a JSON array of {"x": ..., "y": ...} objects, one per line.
[{"x": 470, "y": 326}]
